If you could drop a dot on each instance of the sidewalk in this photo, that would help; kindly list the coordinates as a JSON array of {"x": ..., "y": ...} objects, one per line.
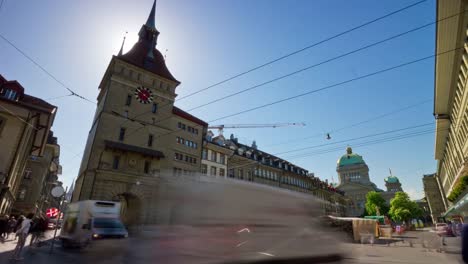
[{"x": 10, "y": 244}]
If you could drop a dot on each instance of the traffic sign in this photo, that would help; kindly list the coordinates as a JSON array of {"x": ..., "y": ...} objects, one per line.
[
  {"x": 57, "y": 191},
  {"x": 52, "y": 212}
]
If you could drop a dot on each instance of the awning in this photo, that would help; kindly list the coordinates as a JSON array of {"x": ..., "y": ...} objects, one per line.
[
  {"x": 460, "y": 206},
  {"x": 144, "y": 151}
]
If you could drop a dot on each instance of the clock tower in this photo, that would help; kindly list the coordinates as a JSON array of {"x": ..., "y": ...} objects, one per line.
[{"x": 137, "y": 133}]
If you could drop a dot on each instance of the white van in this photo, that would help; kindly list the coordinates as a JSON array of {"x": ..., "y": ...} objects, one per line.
[{"x": 87, "y": 220}]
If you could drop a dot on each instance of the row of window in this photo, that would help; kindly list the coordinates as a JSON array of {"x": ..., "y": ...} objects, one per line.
[
  {"x": 190, "y": 129},
  {"x": 214, "y": 156},
  {"x": 213, "y": 170},
  {"x": 271, "y": 175},
  {"x": 139, "y": 77},
  {"x": 352, "y": 176},
  {"x": 116, "y": 164},
  {"x": 186, "y": 142},
  {"x": 186, "y": 158},
  {"x": 269, "y": 161},
  {"x": 122, "y": 137},
  {"x": 179, "y": 171}
]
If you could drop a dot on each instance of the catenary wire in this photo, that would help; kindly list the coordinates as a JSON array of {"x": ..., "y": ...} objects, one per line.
[
  {"x": 312, "y": 66},
  {"x": 45, "y": 70}
]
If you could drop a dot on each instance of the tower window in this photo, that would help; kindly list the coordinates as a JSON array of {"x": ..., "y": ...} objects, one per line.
[
  {"x": 150, "y": 140},
  {"x": 147, "y": 166},
  {"x": 122, "y": 134},
  {"x": 154, "y": 108},
  {"x": 115, "y": 162},
  {"x": 27, "y": 174},
  {"x": 126, "y": 114},
  {"x": 129, "y": 100}
]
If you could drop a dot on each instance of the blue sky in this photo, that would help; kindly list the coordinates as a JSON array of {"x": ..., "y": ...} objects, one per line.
[{"x": 206, "y": 41}]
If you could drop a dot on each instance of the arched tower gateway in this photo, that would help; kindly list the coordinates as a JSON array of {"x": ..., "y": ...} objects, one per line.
[
  {"x": 354, "y": 181},
  {"x": 137, "y": 133}
]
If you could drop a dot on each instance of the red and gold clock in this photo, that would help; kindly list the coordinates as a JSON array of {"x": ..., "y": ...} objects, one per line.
[{"x": 144, "y": 95}]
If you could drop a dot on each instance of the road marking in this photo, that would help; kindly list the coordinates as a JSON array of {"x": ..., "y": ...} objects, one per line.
[
  {"x": 242, "y": 243},
  {"x": 244, "y": 230},
  {"x": 266, "y": 254}
]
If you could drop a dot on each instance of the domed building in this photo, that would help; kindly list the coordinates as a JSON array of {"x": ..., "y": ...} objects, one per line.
[
  {"x": 393, "y": 185},
  {"x": 354, "y": 181}
]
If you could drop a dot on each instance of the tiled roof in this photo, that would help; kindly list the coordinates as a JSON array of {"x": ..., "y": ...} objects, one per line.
[
  {"x": 185, "y": 115},
  {"x": 138, "y": 57},
  {"x": 24, "y": 99}
]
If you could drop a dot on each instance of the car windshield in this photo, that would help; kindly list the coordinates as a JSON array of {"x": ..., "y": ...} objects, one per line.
[{"x": 107, "y": 223}]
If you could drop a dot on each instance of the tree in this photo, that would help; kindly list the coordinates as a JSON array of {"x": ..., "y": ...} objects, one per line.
[
  {"x": 402, "y": 208},
  {"x": 375, "y": 203}
]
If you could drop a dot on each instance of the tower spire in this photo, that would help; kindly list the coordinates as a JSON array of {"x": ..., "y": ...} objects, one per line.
[
  {"x": 123, "y": 43},
  {"x": 150, "y": 22}
]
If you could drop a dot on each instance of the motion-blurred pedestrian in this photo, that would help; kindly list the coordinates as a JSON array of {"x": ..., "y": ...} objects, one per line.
[
  {"x": 11, "y": 226},
  {"x": 464, "y": 240},
  {"x": 3, "y": 227},
  {"x": 22, "y": 233}
]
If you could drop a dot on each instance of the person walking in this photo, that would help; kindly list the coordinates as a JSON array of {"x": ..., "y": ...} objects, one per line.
[
  {"x": 464, "y": 243},
  {"x": 3, "y": 227},
  {"x": 22, "y": 233},
  {"x": 11, "y": 226}
]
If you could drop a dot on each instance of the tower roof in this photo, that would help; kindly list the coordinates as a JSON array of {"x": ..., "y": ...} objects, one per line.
[
  {"x": 144, "y": 53},
  {"x": 392, "y": 179},
  {"x": 349, "y": 158}
]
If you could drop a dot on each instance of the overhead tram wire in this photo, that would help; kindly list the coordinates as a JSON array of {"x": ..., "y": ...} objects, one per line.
[
  {"x": 367, "y": 143},
  {"x": 361, "y": 144},
  {"x": 336, "y": 84},
  {"x": 354, "y": 124},
  {"x": 304, "y": 48},
  {"x": 361, "y": 137},
  {"x": 306, "y": 68},
  {"x": 72, "y": 93},
  {"x": 293, "y": 53},
  {"x": 324, "y": 88}
]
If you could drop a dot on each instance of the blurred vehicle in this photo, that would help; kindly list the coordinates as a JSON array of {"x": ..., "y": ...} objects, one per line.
[{"x": 87, "y": 220}]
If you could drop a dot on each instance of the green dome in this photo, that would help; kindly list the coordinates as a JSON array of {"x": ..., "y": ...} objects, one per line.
[
  {"x": 392, "y": 179},
  {"x": 350, "y": 158}
]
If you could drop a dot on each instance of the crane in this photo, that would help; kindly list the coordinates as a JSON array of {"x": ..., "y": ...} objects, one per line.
[{"x": 275, "y": 125}]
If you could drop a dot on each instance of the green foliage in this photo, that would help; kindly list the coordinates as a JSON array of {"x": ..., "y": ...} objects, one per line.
[
  {"x": 458, "y": 189},
  {"x": 403, "y": 209},
  {"x": 375, "y": 200}
]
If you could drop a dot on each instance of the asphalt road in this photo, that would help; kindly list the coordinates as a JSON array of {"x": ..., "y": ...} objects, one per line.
[{"x": 231, "y": 245}]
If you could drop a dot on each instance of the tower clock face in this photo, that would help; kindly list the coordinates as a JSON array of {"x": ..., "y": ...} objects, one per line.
[{"x": 144, "y": 95}]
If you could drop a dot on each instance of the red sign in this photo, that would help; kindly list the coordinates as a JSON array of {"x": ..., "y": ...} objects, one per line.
[{"x": 52, "y": 212}]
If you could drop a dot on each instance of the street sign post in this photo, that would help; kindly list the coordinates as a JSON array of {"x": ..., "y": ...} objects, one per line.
[{"x": 57, "y": 192}]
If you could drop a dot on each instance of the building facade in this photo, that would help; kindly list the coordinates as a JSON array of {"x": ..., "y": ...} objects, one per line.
[
  {"x": 434, "y": 197},
  {"x": 248, "y": 163},
  {"x": 215, "y": 156},
  {"x": 353, "y": 174},
  {"x": 30, "y": 197},
  {"x": 451, "y": 99},
  {"x": 137, "y": 133},
  {"x": 393, "y": 185},
  {"x": 25, "y": 122}
]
